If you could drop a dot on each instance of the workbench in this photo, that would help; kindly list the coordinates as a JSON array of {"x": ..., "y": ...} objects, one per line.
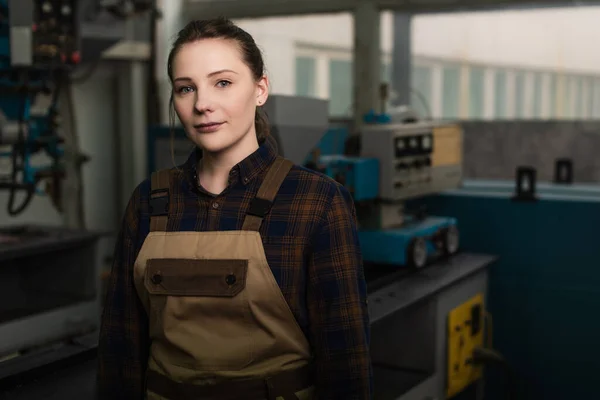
[
  {"x": 50, "y": 288},
  {"x": 408, "y": 312},
  {"x": 409, "y": 323}
]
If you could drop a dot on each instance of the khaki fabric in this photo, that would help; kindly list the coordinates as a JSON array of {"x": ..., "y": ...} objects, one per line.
[{"x": 215, "y": 309}]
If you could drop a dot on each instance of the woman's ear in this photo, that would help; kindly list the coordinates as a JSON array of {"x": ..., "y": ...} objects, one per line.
[{"x": 262, "y": 90}]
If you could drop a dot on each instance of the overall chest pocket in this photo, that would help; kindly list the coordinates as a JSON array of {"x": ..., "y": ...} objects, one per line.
[{"x": 200, "y": 316}]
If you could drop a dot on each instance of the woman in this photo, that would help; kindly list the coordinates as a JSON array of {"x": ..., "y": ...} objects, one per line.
[{"x": 238, "y": 275}]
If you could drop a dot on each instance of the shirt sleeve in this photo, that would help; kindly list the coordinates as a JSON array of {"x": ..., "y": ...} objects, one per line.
[
  {"x": 123, "y": 342},
  {"x": 337, "y": 303}
]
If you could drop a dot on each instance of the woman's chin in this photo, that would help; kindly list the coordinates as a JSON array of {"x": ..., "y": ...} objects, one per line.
[{"x": 213, "y": 143}]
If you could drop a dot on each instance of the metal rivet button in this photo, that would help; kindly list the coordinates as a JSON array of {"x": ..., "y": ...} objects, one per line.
[
  {"x": 230, "y": 279},
  {"x": 157, "y": 279}
]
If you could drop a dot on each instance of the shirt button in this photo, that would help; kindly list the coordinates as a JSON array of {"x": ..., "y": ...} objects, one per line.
[
  {"x": 246, "y": 180},
  {"x": 215, "y": 205}
]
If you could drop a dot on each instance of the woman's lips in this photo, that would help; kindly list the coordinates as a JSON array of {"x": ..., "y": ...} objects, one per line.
[{"x": 209, "y": 127}]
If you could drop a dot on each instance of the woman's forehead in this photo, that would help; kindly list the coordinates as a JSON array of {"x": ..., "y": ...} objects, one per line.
[{"x": 206, "y": 57}]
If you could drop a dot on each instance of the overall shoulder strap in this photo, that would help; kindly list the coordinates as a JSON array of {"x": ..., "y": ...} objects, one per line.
[
  {"x": 261, "y": 204},
  {"x": 159, "y": 200}
]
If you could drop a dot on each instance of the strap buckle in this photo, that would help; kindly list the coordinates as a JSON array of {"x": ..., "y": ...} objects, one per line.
[
  {"x": 259, "y": 207},
  {"x": 159, "y": 203}
]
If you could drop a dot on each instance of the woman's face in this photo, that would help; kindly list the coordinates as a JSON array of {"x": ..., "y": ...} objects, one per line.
[{"x": 215, "y": 95}]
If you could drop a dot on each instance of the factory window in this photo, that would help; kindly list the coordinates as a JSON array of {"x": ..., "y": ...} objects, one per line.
[
  {"x": 578, "y": 103},
  {"x": 450, "y": 91},
  {"x": 537, "y": 94},
  {"x": 519, "y": 94},
  {"x": 561, "y": 96},
  {"x": 421, "y": 90},
  {"x": 553, "y": 103},
  {"x": 476, "y": 92},
  {"x": 569, "y": 97},
  {"x": 305, "y": 76},
  {"x": 340, "y": 88},
  {"x": 586, "y": 96},
  {"x": 500, "y": 94}
]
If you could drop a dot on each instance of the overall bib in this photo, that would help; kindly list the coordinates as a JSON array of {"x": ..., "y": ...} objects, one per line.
[{"x": 220, "y": 327}]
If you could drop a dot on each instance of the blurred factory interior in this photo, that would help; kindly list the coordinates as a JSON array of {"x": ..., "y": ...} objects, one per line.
[{"x": 474, "y": 121}]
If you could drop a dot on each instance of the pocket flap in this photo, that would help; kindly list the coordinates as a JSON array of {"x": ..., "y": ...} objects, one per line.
[{"x": 183, "y": 277}]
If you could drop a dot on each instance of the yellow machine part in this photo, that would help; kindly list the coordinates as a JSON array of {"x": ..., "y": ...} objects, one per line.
[
  {"x": 465, "y": 332},
  {"x": 447, "y": 145}
]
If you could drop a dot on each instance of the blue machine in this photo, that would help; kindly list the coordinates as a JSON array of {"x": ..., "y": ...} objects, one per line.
[
  {"x": 412, "y": 244},
  {"x": 355, "y": 173},
  {"x": 38, "y": 45},
  {"x": 389, "y": 233}
]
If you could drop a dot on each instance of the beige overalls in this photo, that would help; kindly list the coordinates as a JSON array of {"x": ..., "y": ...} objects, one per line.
[{"x": 220, "y": 327}]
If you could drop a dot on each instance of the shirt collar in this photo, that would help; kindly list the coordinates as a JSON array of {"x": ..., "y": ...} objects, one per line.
[{"x": 247, "y": 169}]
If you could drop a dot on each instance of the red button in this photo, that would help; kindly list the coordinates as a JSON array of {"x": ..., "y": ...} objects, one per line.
[{"x": 76, "y": 57}]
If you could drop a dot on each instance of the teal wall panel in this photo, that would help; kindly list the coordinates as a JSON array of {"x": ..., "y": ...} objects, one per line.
[{"x": 544, "y": 291}]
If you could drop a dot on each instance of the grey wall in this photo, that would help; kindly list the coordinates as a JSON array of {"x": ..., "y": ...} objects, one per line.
[{"x": 493, "y": 150}]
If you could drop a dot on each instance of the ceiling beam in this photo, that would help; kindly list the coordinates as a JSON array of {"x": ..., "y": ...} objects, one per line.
[
  {"x": 202, "y": 9},
  {"x": 445, "y": 6}
]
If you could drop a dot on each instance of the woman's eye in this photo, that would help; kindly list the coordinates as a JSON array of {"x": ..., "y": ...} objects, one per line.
[
  {"x": 223, "y": 84},
  {"x": 184, "y": 89}
]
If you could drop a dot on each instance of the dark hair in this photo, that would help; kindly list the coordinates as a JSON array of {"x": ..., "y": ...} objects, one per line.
[{"x": 223, "y": 28}]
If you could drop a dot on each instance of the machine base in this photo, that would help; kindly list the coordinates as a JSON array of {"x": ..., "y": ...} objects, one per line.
[{"x": 414, "y": 244}]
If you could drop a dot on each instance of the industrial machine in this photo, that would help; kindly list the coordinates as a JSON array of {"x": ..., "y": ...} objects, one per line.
[
  {"x": 49, "y": 284},
  {"x": 39, "y": 44},
  {"x": 396, "y": 162},
  {"x": 50, "y": 275}
]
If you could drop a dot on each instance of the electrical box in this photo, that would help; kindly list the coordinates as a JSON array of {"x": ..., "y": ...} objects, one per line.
[
  {"x": 465, "y": 333},
  {"x": 417, "y": 159},
  {"x": 42, "y": 33}
]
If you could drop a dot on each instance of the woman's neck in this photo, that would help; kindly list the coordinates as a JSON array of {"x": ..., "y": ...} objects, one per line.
[{"x": 214, "y": 168}]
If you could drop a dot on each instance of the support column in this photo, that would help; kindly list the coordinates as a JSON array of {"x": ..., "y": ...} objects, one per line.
[
  {"x": 168, "y": 26},
  {"x": 132, "y": 92},
  {"x": 131, "y": 110},
  {"x": 367, "y": 60},
  {"x": 401, "y": 60}
]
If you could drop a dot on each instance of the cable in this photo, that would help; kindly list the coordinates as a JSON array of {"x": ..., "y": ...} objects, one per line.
[
  {"x": 489, "y": 356},
  {"x": 12, "y": 211},
  {"x": 490, "y": 330},
  {"x": 424, "y": 102}
]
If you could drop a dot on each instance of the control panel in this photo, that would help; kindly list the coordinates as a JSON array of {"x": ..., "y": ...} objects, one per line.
[
  {"x": 42, "y": 34},
  {"x": 414, "y": 159}
]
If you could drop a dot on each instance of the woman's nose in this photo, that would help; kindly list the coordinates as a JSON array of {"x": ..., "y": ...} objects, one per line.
[{"x": 203, "y": 104}]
